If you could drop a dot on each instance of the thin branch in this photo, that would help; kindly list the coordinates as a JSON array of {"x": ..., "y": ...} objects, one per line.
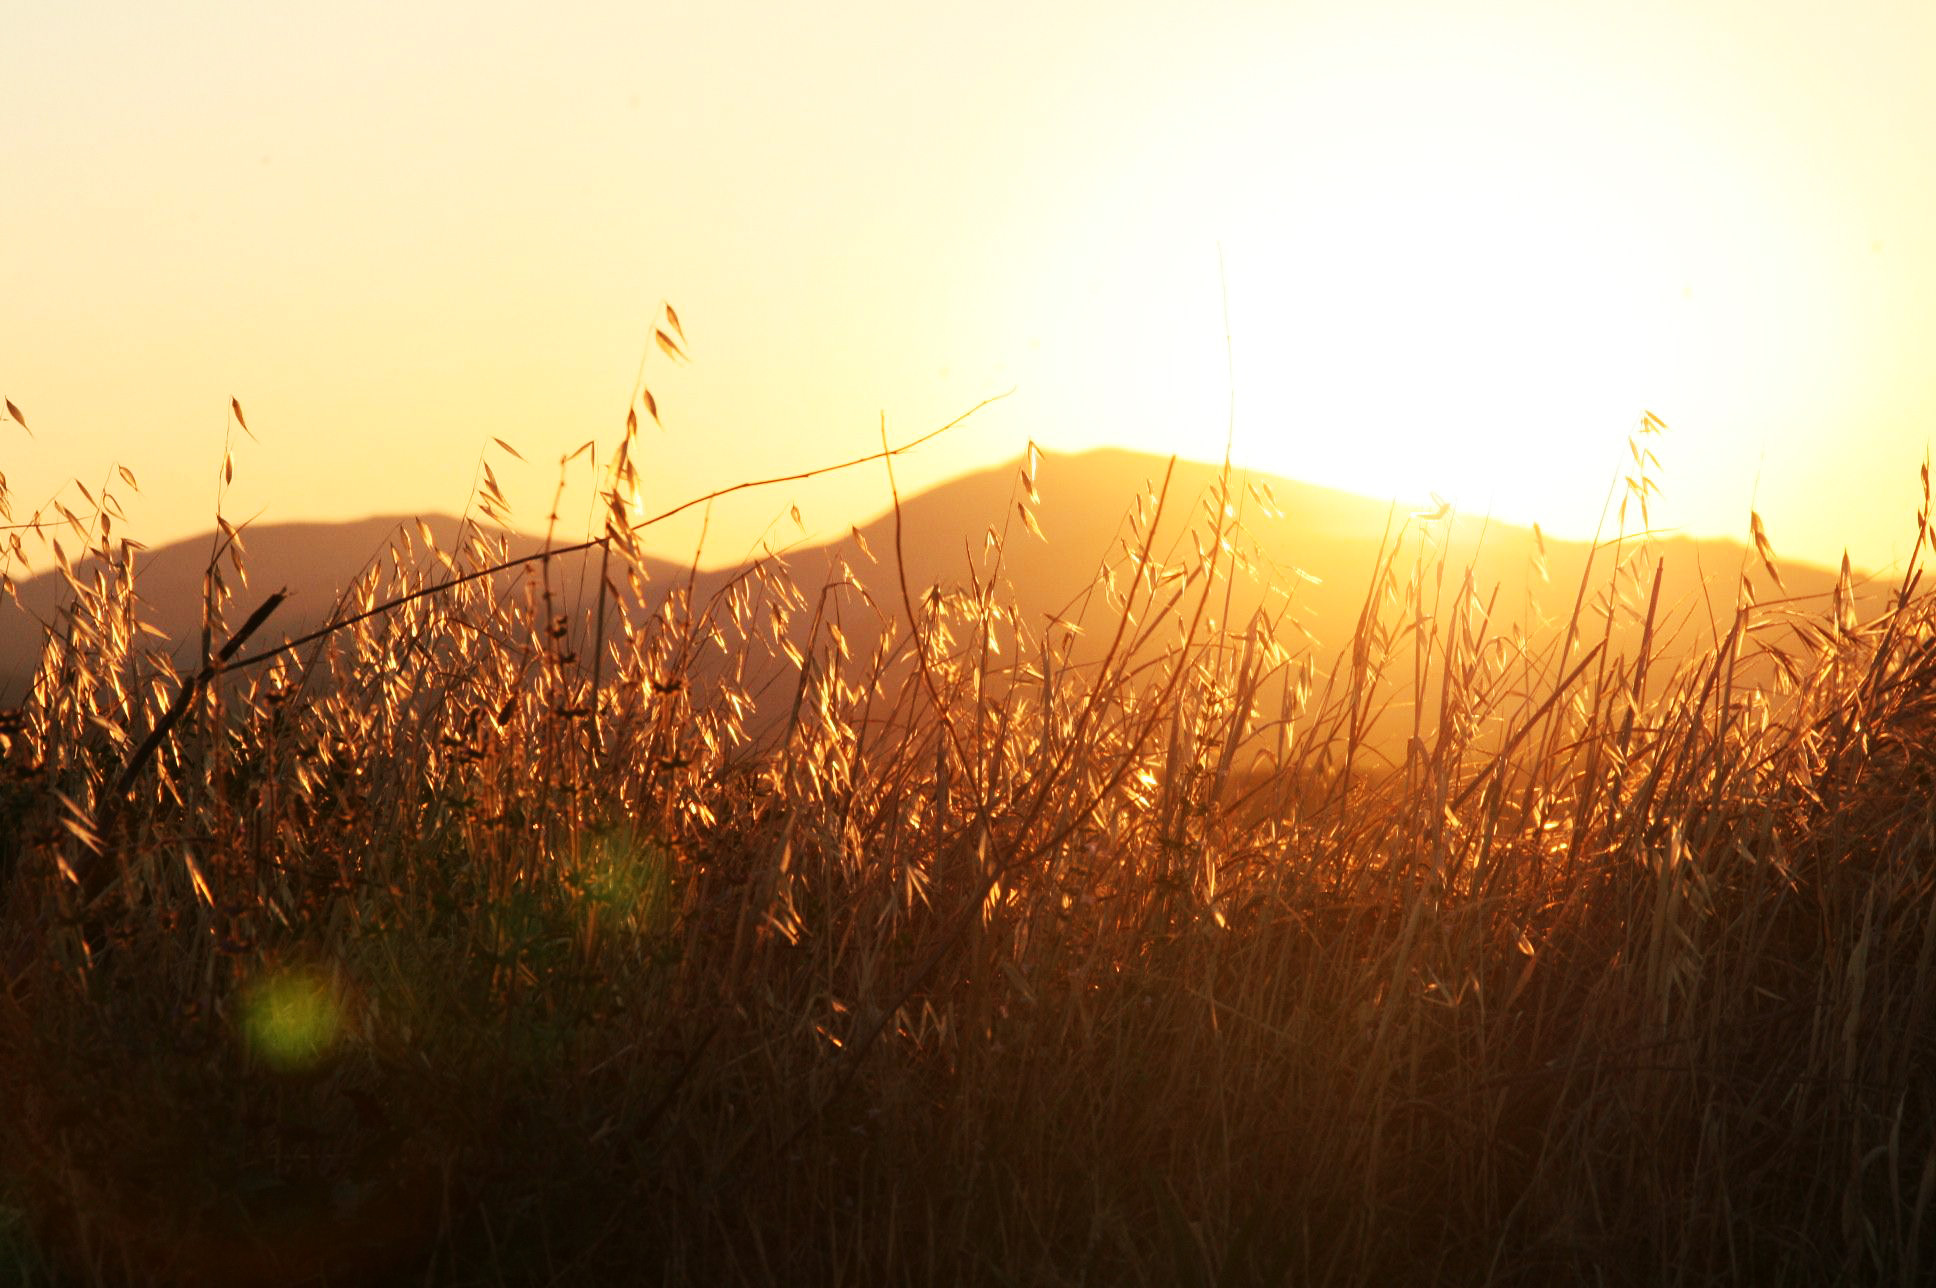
[{"x": 332, "y": 627}]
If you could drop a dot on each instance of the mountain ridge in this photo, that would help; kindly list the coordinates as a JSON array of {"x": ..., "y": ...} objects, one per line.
[{"x": 1331, "y": 538}]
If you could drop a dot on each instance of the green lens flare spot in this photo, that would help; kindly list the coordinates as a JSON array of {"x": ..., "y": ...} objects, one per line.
[{"x": 291, "y": 1020}]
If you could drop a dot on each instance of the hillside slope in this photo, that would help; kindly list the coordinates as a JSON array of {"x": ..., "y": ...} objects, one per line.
[{"x": 1317, "y": 546}]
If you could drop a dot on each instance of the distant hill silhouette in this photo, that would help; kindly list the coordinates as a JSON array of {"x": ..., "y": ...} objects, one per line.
[
  {"x": 1333, "y": 537},
  {"x": 1323, "y": 548},
  {"x": 314, "y": 561}
]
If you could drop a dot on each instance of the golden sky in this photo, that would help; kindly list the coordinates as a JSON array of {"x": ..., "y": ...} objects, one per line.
[{"x": 1463, "y": 245}]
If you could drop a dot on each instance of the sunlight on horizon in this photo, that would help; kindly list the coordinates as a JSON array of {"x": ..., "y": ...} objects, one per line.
[
  {"x": 1430, "y": 287},
  {"x": 1454, "y": 252}
]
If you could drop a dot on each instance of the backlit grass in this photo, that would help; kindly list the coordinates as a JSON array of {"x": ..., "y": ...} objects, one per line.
[{"x": 867, "y": 932}]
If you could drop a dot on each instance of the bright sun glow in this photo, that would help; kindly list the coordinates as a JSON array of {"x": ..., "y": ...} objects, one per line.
[
  {"x": 1437, "y": 290},
  {"x": 1477, "y": 353},
  {"x": 1465, "y": 247},
  {"x": 1461, "y": 315}
]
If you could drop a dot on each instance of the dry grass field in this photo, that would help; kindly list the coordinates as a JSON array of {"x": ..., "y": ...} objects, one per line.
[{"x": 485, "y": 939}]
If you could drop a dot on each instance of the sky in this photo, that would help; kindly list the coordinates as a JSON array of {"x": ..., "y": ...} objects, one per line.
[{"x": 1396, "y": 248}]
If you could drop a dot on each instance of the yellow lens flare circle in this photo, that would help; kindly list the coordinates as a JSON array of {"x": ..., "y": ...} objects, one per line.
[{"x": 292, "y": 1020}]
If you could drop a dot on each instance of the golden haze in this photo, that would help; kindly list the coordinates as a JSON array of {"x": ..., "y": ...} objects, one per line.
[{"x": 1461, "y": 254}]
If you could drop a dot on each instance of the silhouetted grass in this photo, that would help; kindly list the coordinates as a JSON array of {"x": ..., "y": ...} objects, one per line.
[{"x": 1128, "y": 948}]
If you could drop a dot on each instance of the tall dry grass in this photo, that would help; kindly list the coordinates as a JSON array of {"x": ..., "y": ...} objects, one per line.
[{"x": 530, "y": 930}]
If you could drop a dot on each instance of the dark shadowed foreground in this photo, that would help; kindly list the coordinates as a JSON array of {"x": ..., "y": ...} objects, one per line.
[{"x": 1139, "y": 945}]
